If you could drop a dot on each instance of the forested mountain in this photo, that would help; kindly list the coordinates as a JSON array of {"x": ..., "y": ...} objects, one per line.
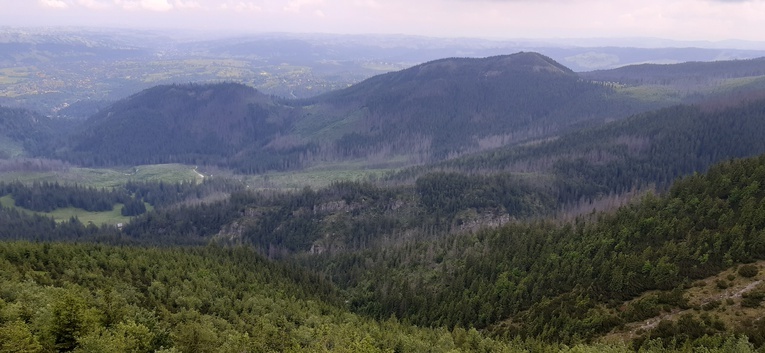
[
  {"x": 24, "y": 131},
  {"x": 568, "y": 283},
  {"x": 689, "y": 73},
  {"x": 491, "y": 244},
  {"x": 646, "y": 150},
  {"x": 428, "y": 112},
  {"x": 227, "y": 124},
  {"x": 454, "y": 105}
]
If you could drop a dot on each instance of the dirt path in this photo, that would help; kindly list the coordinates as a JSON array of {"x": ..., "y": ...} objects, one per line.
[
  {"x": 198, "y": 173},
  {"x": 652, "y": 322}
]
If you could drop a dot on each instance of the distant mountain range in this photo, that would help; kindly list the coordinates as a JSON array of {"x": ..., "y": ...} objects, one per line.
[
  {"x": 428, "y": 112},
  {"x": 49, "y": 69}
]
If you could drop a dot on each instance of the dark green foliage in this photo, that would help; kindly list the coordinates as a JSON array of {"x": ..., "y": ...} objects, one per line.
[
  {"x": 133, "y": 207},
  {"x": 15, "y": 225},
  {"x": 457, "y": 101},
  {"x": 429, "y": 112},
  {"x": 446, "y": 194},
  {"x": 32, "y": 131},
  {"x": 682, "y": 332},
  {"x": 349, "y": 215},
  {"x": 748, "y": 271},
  {"x": 161, "y": 194},
  {"x": 553, "y": 281},
  {"x": 752, "y": 299},
  {"x": 714, "y": 304},
  {"x": 651, "y": 149},
  {"x": 689, "y": 73},
  {"x": 223, "y": 124},
  {"x": 46, "y": 197}
]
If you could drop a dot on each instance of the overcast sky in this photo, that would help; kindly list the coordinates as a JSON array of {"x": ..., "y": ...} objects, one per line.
[{"x": 671, "y": 19}]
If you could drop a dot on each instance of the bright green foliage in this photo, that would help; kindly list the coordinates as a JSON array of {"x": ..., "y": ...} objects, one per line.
[
  {"x": 16, "y": 337},
  {"x": 95, "y": 298}
]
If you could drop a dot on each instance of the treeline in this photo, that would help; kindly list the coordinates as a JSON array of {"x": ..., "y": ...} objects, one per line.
[
  {"x": 566, "y": 283},
  {"x": 689, "y": 74},
  {"x": 161, "y": 194},
  {"x": 19, "y": 225},
  {"x": 46, "y": 197}
]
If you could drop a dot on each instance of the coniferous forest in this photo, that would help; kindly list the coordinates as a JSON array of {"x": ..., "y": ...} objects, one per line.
[
  {"x": 523, "y": 283},
  {"x": 589, "y": 220}
]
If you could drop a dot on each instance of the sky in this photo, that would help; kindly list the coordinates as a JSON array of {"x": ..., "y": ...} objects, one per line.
[{"x": 706, "y": 20}]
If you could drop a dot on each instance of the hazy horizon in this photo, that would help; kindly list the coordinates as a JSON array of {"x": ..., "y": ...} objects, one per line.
[{"x": 681, "y": 20}]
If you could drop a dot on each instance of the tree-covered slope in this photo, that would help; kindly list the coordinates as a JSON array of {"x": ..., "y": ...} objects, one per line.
[
  {"x": 454, "y": 105},
  {"x": 227, "y": 124},
  {"x": 688, "y": 73},
  {"x": 23, "y": 132},
  {"x": 559, "y": 283},
  {"x": 93, "y": 298},
  {"x": 650, "y": 149},
  {"x": 428, "y": 112},
  {"x": 568, "y": 282}
]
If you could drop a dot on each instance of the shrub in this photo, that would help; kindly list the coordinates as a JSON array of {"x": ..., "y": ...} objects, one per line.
[
  {"x": 752, "y": 299},
  {"x": 711, "y": 305},
  {"x": 748, "y": 271}
]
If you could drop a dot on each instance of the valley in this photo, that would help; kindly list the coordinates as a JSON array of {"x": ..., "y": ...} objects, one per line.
[{"x": 275, "y": 202}]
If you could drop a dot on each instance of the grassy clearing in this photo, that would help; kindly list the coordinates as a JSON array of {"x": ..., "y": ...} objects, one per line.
[
  {"x": 7, "y": 201},
  {"x": 312, "y": 178},
  {"x": 64, "y": 214},
  {"x": 108, "y": 217},
  {"x": 10, "y": 148},
  {"x": 327, "y": 127},
  {"x": 733, "y": 84},
  {"x": 653, "y": 93},
  {"x": 13, "y": 75},
  {"x": 383, "y": 67},
  {"x": 109, "y": 178}
]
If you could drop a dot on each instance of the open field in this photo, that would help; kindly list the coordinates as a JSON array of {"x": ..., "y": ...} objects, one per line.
[
  {"x": 312, "y": 178},
  {"x": 63, "y": 214},
  {"x": 108, "y": 178}
]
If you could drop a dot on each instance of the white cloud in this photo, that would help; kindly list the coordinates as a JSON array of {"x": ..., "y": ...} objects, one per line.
[
  {"x": 151, "y": 5},
  {"x": 246, "y": 6},
  {"x": 297, "y": 5},
  {"x": 56, "y": 4},
  {"x": 156, "y": 5},
  {"x": 190, "y": 5},
  {"x": 93, "y": 4}
]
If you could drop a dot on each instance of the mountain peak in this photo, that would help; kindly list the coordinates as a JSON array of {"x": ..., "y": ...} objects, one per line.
[
  {"x": 523, "y": 62},
  {"x": 533, "y": 62}
]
